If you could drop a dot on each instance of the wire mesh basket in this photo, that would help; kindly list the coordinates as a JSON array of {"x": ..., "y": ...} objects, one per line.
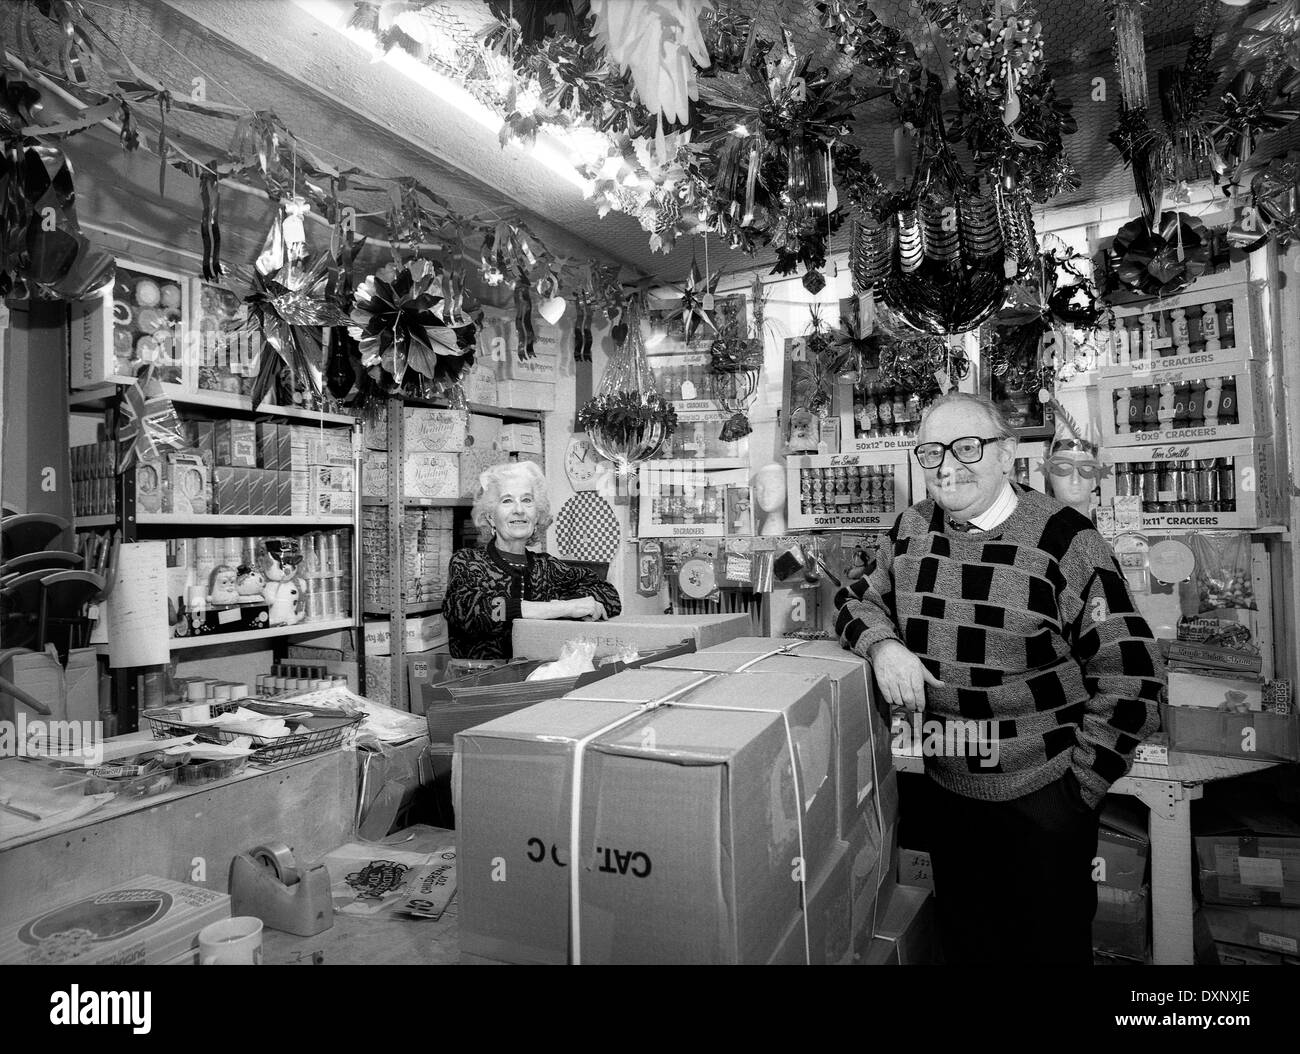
[{"x": 319, "y": 735}]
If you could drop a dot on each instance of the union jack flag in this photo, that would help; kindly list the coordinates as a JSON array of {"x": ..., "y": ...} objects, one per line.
[{"x": 147, "y": 421}]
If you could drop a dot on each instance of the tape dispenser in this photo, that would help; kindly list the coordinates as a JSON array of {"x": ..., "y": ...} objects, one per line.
[{"x": 267, "y": 882}]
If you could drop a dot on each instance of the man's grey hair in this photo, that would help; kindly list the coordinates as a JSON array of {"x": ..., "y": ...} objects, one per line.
[
  {"x": 489, "y": 493},
  {"x": 997, "y": 419}
]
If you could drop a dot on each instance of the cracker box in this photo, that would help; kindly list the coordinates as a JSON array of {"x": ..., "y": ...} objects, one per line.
[
  {"x": 687, "y": 822},
  {"x": 1189, "y": 405},
  {"x": 1226, "y": 483},
  {"x": 143, "y": 317},
  {"x": 1196, "y": 330},
  {"x": 688, "y": 499},
  {"x": 145, "y": 921},
  {"x": 842, "y": 491}
]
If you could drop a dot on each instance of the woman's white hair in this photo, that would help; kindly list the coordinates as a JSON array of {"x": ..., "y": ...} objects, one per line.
[{"x": 489, "y": 493}]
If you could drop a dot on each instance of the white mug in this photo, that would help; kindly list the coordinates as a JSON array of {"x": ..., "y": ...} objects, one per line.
[{"x": 231, "y": 942}]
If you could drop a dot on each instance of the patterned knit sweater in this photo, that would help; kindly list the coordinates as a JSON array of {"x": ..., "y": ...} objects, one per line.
[
  {"x": 484, "y": 595},
  {"x": 1030, "y": 626}
]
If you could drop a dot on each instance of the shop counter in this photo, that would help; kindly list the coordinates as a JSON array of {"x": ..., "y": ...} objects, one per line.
[{"x": 188, "y": 834}]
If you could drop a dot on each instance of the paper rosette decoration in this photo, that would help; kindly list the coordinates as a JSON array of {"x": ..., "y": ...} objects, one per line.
[
  {"x": 1161, "y": 261},
  {"x": 147, "y": 421},
  {"x": 399, "y": 325}
]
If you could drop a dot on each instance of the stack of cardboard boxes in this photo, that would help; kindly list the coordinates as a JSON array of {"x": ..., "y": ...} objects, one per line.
[
  {"x": 1122, "y": 924},
  {"x": 1248, "y": 859},
  {"x": 734, "y": 805}
]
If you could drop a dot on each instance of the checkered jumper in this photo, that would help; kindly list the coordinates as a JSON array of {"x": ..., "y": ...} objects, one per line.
[{"x": 1029, "y": 625}]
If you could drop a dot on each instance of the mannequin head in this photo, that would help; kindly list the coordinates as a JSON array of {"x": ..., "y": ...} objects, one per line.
[
  {"x": 1071, "y": 471},
  {"x": 769, "y": 496}
]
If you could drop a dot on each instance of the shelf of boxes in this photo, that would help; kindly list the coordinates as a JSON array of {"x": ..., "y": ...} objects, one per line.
[
  {"x": 102, "y": 397},
  {"x": 421, "y": 503},
  {"x": 162, "y": 519}
]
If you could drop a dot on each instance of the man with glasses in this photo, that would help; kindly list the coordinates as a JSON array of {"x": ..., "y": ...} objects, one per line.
[{"x": 995, "y": 607}]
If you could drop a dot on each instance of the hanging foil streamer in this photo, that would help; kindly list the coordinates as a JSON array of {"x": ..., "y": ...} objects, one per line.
[
  {"x": 1130, "y": 53},
  {"x": 524, "y": 318},
  {"x": 210, "y": 226}
]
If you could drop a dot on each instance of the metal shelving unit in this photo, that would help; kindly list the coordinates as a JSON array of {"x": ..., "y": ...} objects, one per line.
[
  {"x": 394, "y": 499},
  {"x": 129, "y": 524}
]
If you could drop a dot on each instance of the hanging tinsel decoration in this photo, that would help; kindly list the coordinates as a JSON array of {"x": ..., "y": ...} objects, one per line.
[
  {"x": 524, "y": 318},
  {"x": 1128, "y": 23},
  {"x": 627, "y": 420}
]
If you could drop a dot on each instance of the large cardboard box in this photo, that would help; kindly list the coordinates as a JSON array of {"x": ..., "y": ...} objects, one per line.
[
  {"x": 858, "y": 725},
  {"x": 543, "y": 638},
  {"x": 827, "y": 921},
  {"x": 688, "y": 814},
  {"x": 146, "y": 921},
  {"x": 435, "y": 431},
  {"x": 906, "y": 930},
  {"x": 1273, "y": 929}
]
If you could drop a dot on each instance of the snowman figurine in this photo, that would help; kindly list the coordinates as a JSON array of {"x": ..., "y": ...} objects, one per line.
[{"x": 278, "y": 562}]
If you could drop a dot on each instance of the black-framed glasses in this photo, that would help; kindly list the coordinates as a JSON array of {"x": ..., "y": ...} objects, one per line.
[{"x": 968, "y": 450}]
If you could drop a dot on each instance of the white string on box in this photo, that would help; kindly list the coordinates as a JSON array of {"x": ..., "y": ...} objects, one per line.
[{"x": 575, "y": 803}]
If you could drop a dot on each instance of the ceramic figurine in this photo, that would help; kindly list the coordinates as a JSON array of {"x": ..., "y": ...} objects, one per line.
[
  {"x": 222, "y": 588},
  {"x": 287, "y": 607},
  {"x": 252, "y": 584}
]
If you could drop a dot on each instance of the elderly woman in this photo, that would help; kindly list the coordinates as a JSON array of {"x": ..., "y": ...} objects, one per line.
[{"x": 488, "y": 588}]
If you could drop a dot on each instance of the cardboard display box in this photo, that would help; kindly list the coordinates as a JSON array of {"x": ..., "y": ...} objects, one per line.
[
  {"x": 146, "y": 921},
  {"x": 1187, "y": 405},
  {"x": 687, "y": 822},
  {"x": 544, "y": 638},
  {"x": 861, "y": 490},
  {"x": 1146, "y": 337},
  {"x": 1246, "y": 490},
  {"x": 697, "y": 436},
  {"x": 1213, "y": 692},
  {"x": 431, "y": 431},
  {"x": 520, "y": 438},
  {"x": 688, "y": 499},
  {"x": 143, "y": 317},
  {"x": 858, "y": 725}
]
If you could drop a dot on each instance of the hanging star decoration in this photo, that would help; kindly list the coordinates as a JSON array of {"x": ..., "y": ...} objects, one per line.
[
  {"x": 693, "y": 312},
  {"x": 148, "y": 422},
  {"x": 399, "y": 325}
]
